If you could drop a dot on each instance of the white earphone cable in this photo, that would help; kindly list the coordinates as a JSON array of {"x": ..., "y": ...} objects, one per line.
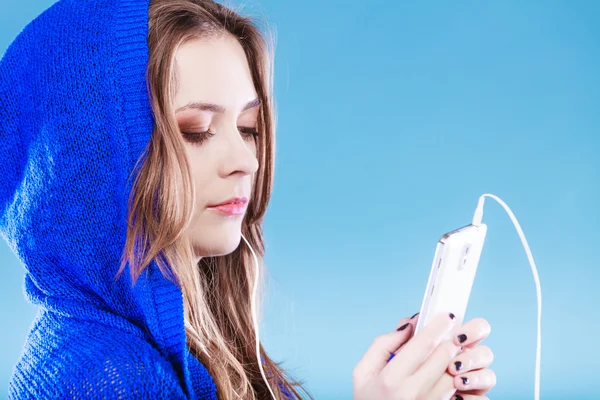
[
  {"x": 477, "y": 218},
  {"x": 255, "y": 317}
]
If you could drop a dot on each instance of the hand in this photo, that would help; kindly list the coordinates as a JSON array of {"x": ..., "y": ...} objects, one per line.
[
  {"x": 472, "y": 378},
  {"x": 417, "y": 371}
]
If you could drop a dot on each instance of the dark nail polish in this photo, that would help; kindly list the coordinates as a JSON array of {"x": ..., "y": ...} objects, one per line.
[
  {"x": 452, "y": 316},
  {"x": 462, "y": 337},
  {"x": 403, "y": 327},
  {"x": 465, "y": 380},
  {"x": 458, "y": 365},
  {"x": 414, "y": 315},
  {"x": 391, "y": 356},
  {"x": 459, "y": 397}
]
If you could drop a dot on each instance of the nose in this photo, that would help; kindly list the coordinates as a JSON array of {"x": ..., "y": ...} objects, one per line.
[{"x": 239, "y": 156}]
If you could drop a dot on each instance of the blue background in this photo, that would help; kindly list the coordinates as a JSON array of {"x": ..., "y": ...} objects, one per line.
[{"x": 393, "y": 118}]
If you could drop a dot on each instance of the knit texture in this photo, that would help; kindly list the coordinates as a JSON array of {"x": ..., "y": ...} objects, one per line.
[{"x": 74, "y": 119}]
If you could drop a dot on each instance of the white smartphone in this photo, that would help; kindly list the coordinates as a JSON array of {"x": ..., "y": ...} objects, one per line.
[{"x": 452, "y": 273}]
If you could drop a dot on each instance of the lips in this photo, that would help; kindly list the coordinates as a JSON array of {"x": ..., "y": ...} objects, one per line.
[{"x": 233, "y": 206}]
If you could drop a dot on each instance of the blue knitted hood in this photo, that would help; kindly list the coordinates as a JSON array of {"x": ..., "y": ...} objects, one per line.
[{"x": 74, "y": 120}]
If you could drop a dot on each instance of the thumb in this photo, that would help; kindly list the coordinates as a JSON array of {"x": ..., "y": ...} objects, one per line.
[{"x": 381, "y": 351}]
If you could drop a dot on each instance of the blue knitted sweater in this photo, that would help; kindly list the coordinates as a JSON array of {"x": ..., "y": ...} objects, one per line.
[{"x": 74, "y": 119}]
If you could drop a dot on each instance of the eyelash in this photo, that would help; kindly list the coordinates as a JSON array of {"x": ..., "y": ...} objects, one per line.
[{"x": 199, "y": 137}]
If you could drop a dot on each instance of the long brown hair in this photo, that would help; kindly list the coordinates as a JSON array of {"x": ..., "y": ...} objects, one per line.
[{"x": 217, "y": 291}]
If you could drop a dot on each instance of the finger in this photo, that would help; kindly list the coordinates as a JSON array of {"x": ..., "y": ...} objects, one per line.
[
  {"x": 404, "y": 324},
  {"x": 473, "y": 332},
  {"x": 473, "y": 392},
  {"x": 414, "y": 320},
  {"x": 473, "y": 359},
  {"x": 435, "y": 366},
  {"x": 464, "y": 396},
  {"x": 412, "y": 355},
  {"x": 443, "y": 389},
  {"x": 376, "y": 356},
  {"x": 483, "y": 379}
]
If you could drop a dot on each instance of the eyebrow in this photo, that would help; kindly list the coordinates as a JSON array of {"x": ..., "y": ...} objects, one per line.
[{"x": 215, "y": 107}]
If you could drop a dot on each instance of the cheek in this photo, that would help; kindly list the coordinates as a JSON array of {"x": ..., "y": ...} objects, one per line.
[
  {"x": 201, "y": 167},
  {"x": 253, "y": 146}
]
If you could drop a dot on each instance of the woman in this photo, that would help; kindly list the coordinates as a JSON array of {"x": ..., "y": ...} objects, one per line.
[{"x": 138, "y": 142}]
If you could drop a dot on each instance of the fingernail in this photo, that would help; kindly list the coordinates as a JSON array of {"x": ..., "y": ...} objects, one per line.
[
  {"x": 414, "y": 315},
  {"x": 465, "y": 380},
  {"x": 391, "y": 356},
  {"x": 459, "y": 397},
  {"x": 403, "y": 327},
  {"x": 458, "y": 365},
  {"x": 452, "y": 316},
  {"x": 462, "y": 337}
]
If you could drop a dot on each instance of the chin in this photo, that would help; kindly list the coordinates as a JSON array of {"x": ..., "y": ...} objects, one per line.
[
  {"x": 227, "y": 246},
  {"x": 217, "y": 244}
]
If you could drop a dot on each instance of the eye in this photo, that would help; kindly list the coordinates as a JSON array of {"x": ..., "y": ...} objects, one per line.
[
  {"x": 197, "y": 138},
  {"x": 200, "y": 137},
  {"x": 248, "y": 133}
]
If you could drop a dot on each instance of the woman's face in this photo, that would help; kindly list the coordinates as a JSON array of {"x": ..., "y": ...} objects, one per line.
[{"x": 217, "y": 110}]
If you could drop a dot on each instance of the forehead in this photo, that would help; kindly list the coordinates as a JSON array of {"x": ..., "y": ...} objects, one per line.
[{"x": 213, "y": 70}]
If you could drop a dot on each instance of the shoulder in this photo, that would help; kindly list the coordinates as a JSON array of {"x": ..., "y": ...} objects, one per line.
[
  {"x": 79, "y": 360},
  {"x": 123, "y": 373}
]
